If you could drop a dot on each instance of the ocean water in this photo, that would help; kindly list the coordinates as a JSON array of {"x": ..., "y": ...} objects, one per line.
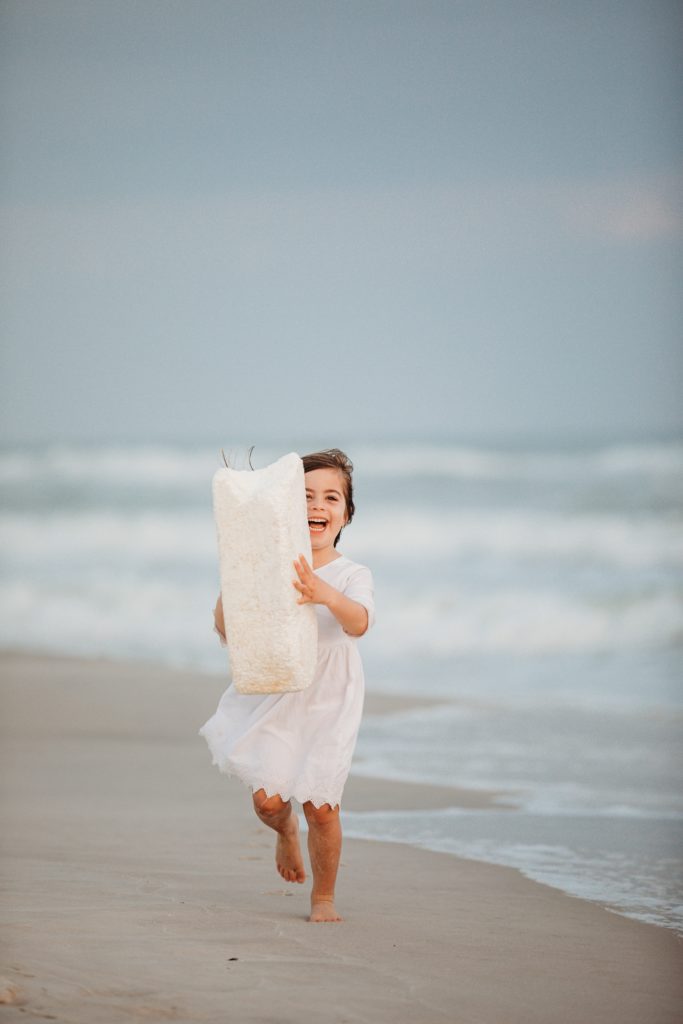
[{"x": 536, "y": 593}]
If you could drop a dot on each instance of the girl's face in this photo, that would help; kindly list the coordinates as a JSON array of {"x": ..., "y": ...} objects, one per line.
[{"x": 326, "y": 503}]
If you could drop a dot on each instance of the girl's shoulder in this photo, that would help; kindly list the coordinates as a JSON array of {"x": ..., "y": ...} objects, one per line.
[
  {"x": 354, "y": 580},
  {"x": 344, "y": 566}
]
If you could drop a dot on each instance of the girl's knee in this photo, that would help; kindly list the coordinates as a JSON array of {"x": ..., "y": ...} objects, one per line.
[
  {"x": 268, "y": 805},
  {"x": 320, "y": 815}
]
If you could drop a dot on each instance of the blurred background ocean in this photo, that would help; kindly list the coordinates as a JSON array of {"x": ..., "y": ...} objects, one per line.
[{"x": 537, "y": 591}]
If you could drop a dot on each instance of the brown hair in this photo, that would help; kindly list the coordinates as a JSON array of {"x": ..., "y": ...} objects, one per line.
[{"x": 333, "y": 458}]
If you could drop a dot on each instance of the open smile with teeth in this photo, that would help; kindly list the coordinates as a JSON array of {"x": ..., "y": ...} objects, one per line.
[{"x": 317, "y": 525}]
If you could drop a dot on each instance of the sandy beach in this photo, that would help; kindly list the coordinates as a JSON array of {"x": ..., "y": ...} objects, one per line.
[{"x": 139, "y": 885}]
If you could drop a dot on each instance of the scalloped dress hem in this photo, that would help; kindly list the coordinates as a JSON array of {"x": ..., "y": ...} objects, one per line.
[{"x": 285, "y": 791}]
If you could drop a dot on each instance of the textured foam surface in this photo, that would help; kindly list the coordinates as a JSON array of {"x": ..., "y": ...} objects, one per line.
[{"x": 262, "y": 526}]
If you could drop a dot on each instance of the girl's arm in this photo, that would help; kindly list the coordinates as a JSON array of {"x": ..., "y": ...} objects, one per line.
[
  {"x": 218, "y": 617},
  {"x": 351, "y": 616}
]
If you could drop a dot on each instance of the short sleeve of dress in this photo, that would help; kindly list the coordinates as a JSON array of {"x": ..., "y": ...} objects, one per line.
[{"x": 360, "y": 588}]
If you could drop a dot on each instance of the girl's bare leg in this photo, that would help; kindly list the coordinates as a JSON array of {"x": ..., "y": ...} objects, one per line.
[
  {"x": 274, "y": 812},
  {"x": 324, "y": 848}
]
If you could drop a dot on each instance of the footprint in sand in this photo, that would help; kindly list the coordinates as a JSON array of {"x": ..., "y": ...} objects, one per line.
[{"x": 9, "y": 992}]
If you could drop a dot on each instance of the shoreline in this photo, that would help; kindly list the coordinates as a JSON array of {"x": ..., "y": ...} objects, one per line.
[
  {"x": 137, "y": 871},
  {"x": 368, "y": 792}
]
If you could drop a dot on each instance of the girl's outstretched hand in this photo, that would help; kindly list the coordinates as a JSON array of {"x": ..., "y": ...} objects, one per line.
[{"x": 313, "y": 590}]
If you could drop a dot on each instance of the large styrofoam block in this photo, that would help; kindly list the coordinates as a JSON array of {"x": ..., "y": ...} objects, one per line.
[{"x": 262, "y": 526}]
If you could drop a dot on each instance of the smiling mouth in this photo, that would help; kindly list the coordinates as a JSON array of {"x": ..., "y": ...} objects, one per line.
[{"x": 317, "y": 525}]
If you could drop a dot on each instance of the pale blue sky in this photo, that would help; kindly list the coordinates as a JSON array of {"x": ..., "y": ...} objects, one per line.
[{"x": 236, "y": 221}]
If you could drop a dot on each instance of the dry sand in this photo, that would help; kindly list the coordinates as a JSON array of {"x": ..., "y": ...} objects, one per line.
[{"x": 139, "y": 885}]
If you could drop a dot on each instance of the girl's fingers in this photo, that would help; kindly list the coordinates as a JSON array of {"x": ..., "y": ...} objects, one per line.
[
  {"x": 306, "y": 566},
  {"x": 302, "y": 589}
]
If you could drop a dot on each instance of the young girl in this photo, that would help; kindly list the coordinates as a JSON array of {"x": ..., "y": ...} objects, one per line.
[{"x": 300, "y": 744}]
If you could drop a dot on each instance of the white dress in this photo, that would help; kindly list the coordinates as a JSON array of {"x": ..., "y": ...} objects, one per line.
[{"x": 300, "y": 744}]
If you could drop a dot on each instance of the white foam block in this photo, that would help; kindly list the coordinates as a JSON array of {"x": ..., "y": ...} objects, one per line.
[{"x": 262, "y": 526}]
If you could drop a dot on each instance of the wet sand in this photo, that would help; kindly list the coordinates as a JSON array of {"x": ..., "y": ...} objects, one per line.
[{"x": 139, "y": 885}]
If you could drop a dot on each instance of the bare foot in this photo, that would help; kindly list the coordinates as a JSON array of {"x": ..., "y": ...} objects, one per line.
[
  {"x": 288, "y": 857},
  {"x": 323, "y": 910}
]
